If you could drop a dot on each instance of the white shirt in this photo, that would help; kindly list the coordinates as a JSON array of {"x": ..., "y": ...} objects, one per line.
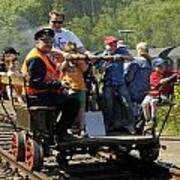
[{"x": 63, "y": 37}]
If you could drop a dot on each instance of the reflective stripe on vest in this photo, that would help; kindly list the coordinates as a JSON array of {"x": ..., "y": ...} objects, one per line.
[{"x": 51, "y": 73}]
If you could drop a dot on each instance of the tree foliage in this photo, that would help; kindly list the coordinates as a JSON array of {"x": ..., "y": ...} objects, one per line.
[{"x": 155, "y": 21}]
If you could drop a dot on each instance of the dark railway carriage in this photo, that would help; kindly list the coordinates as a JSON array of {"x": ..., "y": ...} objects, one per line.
[
  {"x": 35, "y": 136},
  {"x": 173, "y": 55}
]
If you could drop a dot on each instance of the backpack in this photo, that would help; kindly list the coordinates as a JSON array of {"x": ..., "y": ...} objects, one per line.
[{"x": 137, "y": 79}]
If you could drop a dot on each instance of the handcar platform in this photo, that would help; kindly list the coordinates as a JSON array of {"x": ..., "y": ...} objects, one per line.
[
  {"x": 148, "y": 146},
  {"x": 111, "y": 140}
]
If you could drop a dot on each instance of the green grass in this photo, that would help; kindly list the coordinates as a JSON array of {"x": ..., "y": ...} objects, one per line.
[{"x": 172, "y": 126}]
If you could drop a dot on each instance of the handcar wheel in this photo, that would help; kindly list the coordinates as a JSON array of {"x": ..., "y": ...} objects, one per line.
[
  {"x": 34, "y": 155},
  {"x": 149, "y": 154},
  {"x": 18, "y": 146},
  {"x": 121, "y": 151},
  {"x": 61, "y": 159},
  {"x": 93, "y": 150}
]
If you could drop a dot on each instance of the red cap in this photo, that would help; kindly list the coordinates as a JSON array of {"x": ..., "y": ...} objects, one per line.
[{"x": 110, "y": 39}]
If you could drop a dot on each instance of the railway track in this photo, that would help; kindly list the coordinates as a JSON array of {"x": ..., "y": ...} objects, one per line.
[
  {"x": 18, "y": 169},
  {"x": 6, "y": 130},
  {"x": 105, "y": 166}
]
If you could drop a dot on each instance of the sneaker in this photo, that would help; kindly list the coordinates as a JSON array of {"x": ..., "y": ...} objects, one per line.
[
  {"x": 74, "y": 131},
  {"x": 82, "y": 134}
]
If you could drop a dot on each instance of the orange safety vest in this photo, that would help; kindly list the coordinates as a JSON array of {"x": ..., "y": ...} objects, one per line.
[
  {"x": 57, "y": 58},
  {"x": 51, "y": 72}
]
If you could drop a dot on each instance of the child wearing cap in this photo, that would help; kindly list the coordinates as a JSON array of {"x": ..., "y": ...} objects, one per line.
[{"x": 158, "y": 92}]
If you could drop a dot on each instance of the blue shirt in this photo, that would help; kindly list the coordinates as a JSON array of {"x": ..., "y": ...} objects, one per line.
[{"x": 114, "y": 72}]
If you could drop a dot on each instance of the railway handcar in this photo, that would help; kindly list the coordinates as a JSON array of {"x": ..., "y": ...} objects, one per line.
[{"x": 35, "y": 135}]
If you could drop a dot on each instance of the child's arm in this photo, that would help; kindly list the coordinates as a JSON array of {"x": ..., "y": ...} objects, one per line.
[
  {"x": 168, "y": 79},
  {"x": 70, "y": 60},
  {"x": 64, "y": 66}
]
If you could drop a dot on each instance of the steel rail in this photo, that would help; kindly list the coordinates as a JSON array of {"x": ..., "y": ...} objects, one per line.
[{"x": 22, "y": 167}]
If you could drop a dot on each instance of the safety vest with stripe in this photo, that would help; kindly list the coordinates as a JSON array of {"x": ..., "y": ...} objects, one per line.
[{"x": 51, "y": 72}]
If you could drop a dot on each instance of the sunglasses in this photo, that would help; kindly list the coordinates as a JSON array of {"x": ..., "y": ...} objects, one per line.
[{"x": 58, "y": 22}]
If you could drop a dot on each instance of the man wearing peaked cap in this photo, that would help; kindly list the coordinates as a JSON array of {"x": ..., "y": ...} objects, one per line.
[
  {"x": 111, "y": 44},
  {"x": 115, "y": 95},
  {"x": 45, "y": 88},
  {"x": 110, "y": 39},
  {"x": 44, "y": 32}
]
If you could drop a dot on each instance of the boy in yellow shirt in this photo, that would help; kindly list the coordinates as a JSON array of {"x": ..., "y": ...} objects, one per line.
[{"x": 73, "y": 70}]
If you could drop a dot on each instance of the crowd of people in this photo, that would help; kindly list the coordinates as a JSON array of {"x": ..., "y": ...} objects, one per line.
[{"x": 56, "y": 67}]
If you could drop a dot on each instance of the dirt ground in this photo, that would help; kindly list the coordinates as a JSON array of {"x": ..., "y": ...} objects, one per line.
[{"x": 172, "y": 153}]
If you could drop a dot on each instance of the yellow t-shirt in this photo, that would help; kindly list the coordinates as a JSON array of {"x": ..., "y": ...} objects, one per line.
[{"x": 74, "y": 76}]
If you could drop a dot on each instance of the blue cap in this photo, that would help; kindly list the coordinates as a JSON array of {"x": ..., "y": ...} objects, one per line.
[{"x": 157, "y": 62}]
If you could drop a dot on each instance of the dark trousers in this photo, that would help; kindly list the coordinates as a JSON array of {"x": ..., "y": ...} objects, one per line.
[
  {"x": 117, "y": 107},
  {"x": 68, "y": 106}
]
